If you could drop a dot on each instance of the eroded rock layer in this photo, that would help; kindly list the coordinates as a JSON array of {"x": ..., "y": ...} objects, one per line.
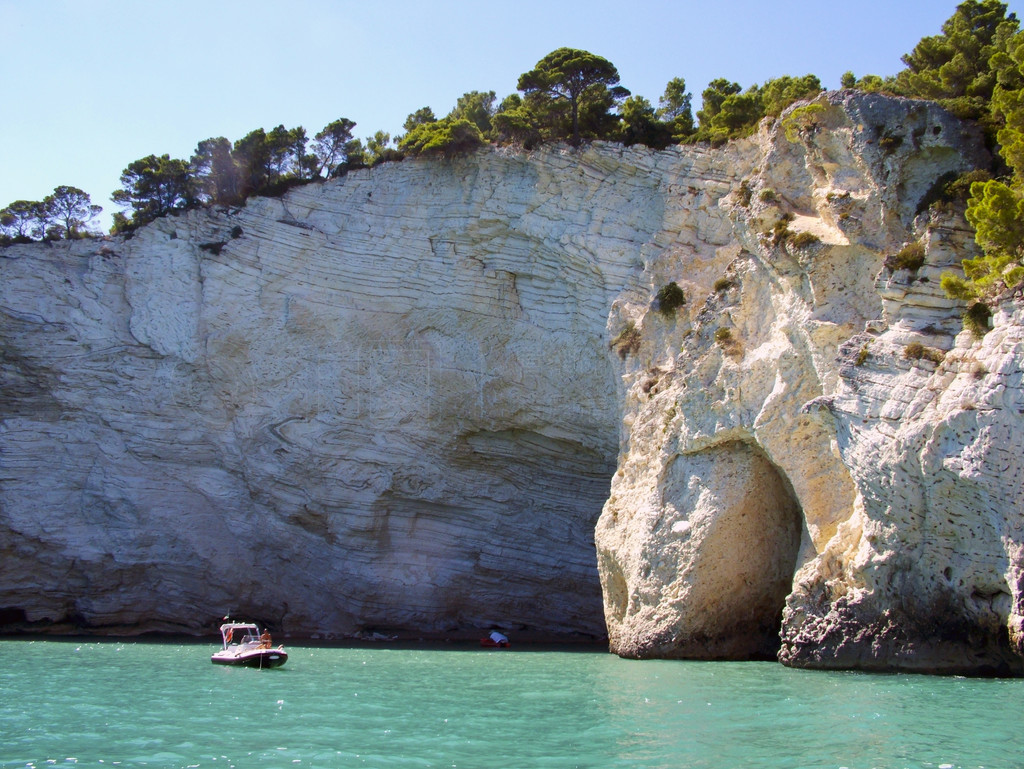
[
  {"x": 382, "y": 403},
  {"x": 398, "y": 401},
  {"x": 814, "y": 383}
]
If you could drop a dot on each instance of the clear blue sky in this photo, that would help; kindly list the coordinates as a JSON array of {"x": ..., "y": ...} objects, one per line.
[{"x": 91, "y": 85}]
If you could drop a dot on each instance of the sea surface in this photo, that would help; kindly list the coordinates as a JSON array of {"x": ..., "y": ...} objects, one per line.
[{"x": 146, "y": 704}]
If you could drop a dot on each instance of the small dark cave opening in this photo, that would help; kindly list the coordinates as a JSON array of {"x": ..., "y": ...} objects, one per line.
[{"x": 10, "y": 615}]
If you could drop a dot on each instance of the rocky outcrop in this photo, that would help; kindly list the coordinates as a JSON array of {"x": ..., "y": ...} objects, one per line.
[
  {"x": 818, "y": 455},
  {"x": 398, "y": 401},
  {"x": 384, "y": 403}
]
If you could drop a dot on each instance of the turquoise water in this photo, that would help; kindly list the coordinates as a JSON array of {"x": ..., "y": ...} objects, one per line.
[{"x": 90, "y": 703}]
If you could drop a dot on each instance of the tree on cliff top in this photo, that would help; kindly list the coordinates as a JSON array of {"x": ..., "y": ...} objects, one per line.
[
  {"x": 640, "y": 124},
  {"x": 19, "y": 221},
  {"x": 152, "y": 187},
  {"x": 572, "y": 91},
  {"x": 728, "y": 111},
  {"x": 675, "y": 108},
  {"x": 379, "y": 150},
  {"x": 64, "y": 215},
  {"x": 419, "y": 117},
  {"x": 447, "y": 137},
  {"x": 330, "y": 146},
  {"x": 270, "y": 162},
  {"x": 515, "y": 123},
  {"x": 955, "y": 68},
  {"x": 975, "y": 68},
  {"x": 214, "y": 173},
  {"x": 70, "y": 210},
  {"x": 996, "y": 206},
  {"x": 477, "y": 107}
]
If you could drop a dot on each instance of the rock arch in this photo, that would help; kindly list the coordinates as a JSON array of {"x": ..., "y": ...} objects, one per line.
[
  {"x": 710, "y": 578},
  {"x": 743, "y": 569}
]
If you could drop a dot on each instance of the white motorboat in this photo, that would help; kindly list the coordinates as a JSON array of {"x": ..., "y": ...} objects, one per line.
[{"x": 244, "y": 645}]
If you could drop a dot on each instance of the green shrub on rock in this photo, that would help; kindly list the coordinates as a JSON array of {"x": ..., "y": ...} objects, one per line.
[
  {"x": 627, "y": 341},
  {"x": 917, "y": 351},
  {"x": 670, "y": 298},
  {"x": 447, "y": 137},
  {"x": 803, "y": 239},
  {"x": 910, "y": 257},
  {"x": 723, "y": 284},
  {"x": 977, "y": 318}
]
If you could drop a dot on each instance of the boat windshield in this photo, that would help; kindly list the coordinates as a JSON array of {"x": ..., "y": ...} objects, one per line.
[{"x": 239, "y": 633}]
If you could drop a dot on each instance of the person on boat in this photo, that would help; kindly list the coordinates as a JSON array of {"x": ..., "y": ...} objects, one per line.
[
  {"x": 265, "y": 639},
  {"x": 498, "y": 638}
]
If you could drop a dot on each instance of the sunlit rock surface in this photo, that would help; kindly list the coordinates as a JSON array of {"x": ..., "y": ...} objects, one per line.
[
  {"x": 385, "y": 403},
  {"x": 398, "y": 402},
  {"x": 788, "y": 475}
]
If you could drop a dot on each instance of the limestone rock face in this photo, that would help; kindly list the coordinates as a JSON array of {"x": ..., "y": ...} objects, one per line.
[
  {"x": 418, "y": 398},
  {"x": 795, "y": 470},
  {"x": 382, "y": 403}
]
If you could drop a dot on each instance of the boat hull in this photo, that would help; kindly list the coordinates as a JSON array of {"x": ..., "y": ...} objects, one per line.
[
  {"x": 263, "y": 658},
  {"x": 487, "y": 643}
]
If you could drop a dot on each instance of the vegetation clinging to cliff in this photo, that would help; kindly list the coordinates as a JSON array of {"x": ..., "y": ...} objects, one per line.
[
  {"x": 729, "y": 111},
  {"x": 975, "y": 68},
  {"x": 670, "y": 298},
  {"x": 65, "y": 214}
]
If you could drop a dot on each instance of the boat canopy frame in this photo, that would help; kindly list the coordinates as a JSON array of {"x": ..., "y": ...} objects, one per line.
[{"x": 227, "y": 632}]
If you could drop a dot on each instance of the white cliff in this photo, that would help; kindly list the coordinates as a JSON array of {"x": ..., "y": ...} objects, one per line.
[
  {"x": 793, "y": 469},
  {"x": 383, "y": 403},
  {"x": 398, "y": 401}
]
